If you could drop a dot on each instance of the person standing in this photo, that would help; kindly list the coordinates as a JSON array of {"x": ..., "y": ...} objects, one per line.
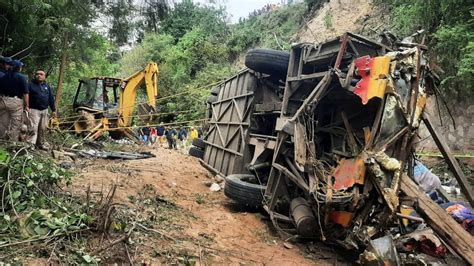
[
  {"x": 13, "y": 101},
  {"x": 199, "y": 130},
  {"x": 183, "y": 136},
  {"x": 153, "y": 135},
  {"x": 145, "y": 134},
  {"x": 4, "y": 65},
  {"x": 171, "y": 137},
  {"x": 40, "y": 98},
  {"x": 161, "y": 133},
  {"x": 193, "y": 134}
]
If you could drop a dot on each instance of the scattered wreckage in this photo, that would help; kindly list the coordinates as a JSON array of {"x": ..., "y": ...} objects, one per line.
[{"x": 323, "y": 137}]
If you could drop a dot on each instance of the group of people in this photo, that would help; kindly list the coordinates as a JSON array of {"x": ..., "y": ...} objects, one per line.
[
  {"x": 175, "y": 137},
  {"x": 24, "y": 104}
]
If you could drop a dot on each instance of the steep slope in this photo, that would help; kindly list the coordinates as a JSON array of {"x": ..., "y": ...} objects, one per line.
[{"x": 338, "y": 16}]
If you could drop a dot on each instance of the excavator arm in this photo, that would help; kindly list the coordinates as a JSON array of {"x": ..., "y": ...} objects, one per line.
[
  {"x": 130, "y": 86},
  {"x": 98, "y": 115}
]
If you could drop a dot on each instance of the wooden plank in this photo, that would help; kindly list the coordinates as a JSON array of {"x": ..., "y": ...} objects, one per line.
[
  {"x": 439, "y": 220},
  {"x": 211, "y": 169},
  {"x": 453, "y": 165}
]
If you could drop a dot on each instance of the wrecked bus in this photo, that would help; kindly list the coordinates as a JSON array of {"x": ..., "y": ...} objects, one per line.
[{"x": 323, "y": 137}]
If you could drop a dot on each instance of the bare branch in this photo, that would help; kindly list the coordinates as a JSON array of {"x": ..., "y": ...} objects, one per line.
[{"x": 28, "y": 47}]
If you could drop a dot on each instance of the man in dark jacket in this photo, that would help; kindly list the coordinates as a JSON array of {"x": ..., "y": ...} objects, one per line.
[
  {"x": 41, "y": 97},
  {"x": 183, "y": 137},
  {"x": 4, "y": 65},
  {"x": 171, "y": 137},
  {"x": 160, "y": 132},
  {"x": 13, "y": 101}
]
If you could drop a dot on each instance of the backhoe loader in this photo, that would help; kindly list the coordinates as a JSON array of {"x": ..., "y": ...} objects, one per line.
[{"x": 106, "y": 104}]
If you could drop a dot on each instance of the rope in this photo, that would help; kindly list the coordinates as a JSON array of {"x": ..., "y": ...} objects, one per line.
[
  {"x": 132, "y": 127},
  {"x": 132, "y": 116},
  {"x": 158, "y": 99}
]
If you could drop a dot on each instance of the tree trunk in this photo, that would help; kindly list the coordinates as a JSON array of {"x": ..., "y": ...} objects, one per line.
[{"x": 62, "y": 67}]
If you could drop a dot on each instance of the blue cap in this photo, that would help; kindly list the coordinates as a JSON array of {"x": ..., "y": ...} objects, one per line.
[
  {"x": 5, "y": 60},
  {"x": 16, "y": 63}
]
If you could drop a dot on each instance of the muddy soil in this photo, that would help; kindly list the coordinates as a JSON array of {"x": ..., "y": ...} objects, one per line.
[{"x": 195, "y": 225}]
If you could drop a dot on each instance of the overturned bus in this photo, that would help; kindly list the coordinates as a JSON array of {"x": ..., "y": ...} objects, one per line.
[{"x": 323, "y": 137}]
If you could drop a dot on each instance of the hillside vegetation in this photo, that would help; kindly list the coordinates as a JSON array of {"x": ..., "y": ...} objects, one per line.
[
  {"x": 449, "y": 30},
  {"x": 195, "y": 46}
]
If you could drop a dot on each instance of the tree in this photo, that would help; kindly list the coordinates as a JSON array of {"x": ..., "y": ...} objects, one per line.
[
  {"x": 120, "y": 12},
  {"x": 449, "y": 25},
  {"x": 33, "y": 29},
  {"x": 186, "y": 14},
  {"x": 41, "y": 33}
]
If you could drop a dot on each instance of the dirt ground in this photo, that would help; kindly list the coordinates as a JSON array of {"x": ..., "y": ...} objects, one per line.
[{"x": 194, "y": 225}]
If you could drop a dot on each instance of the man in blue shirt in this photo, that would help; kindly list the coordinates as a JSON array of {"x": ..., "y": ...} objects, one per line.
[
  {"x": 160, "y": 132},
  {"x": 182, "y": 136},
  {"x": 171, "y": 137},
  {"x": 41, "y": 97},
  {"x": 4, "y": 65},
  {"x": 13, "y": 101}
]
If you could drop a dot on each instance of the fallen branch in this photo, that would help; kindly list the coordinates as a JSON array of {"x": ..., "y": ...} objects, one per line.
[
  {"x": 115, "y": 242},
  {"x": 41, "y": 238},
  {"x": 128, "y": 254},
  {"x": 157, "y": 231}
]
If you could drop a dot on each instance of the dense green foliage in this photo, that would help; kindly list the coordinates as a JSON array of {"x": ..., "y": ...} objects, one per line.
[
  {"x": 196, "y": 48},
  {"x": 43, "y": 25},
  {"x": 193, "y": 44},
  {"x": 276, "y": 29},
  {"x": 39, "y": 32},
  {"x": 449, "y": 25}
]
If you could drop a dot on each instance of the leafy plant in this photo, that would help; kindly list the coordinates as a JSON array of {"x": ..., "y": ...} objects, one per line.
[
  {"x": 328, "y": 20},
  {"x": 31, "y": 207},
  {"x": 448, "y": 24}
]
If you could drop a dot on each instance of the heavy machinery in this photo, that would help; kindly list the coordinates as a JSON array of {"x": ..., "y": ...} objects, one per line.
[{"x": 106, "y": 104}]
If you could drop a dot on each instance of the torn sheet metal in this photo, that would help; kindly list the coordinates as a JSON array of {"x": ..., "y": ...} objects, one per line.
[
  {"x": 348, "y": 173},
  {"x": 374, "y": 74},
  {"x": 393, "y": 119},
  {"x": 342, "y": 218},
  {"x": 300, "y": 146}
]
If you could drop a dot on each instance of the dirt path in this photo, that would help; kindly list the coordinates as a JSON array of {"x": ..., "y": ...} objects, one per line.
[{"x": 211, "y": 229}]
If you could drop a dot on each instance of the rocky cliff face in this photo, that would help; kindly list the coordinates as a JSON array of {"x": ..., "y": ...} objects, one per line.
[
  {"x": 459, "y": 135},
  {"x": 338, "y": 16}
]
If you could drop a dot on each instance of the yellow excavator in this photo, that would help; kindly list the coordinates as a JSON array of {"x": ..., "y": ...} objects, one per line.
[{"x": 106, "y": 104}]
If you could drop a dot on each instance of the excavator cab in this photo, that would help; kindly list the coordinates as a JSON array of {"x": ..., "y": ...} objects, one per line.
[
  {"x": 97, "y": 95},
  {"x": 107, "y": 104}
]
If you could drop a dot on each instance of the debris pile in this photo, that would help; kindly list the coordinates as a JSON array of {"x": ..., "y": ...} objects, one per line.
[{"x": 333, "y": 141}]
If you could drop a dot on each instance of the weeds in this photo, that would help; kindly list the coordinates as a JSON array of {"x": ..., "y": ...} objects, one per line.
[
  {"x": 35, "y": 211},
  {"x": 328, "y": 20},
  {"x": 200, "y": 199}
]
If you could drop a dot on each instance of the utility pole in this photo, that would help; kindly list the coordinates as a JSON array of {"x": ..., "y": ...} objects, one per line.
[{"x": 62, "y": 67}]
